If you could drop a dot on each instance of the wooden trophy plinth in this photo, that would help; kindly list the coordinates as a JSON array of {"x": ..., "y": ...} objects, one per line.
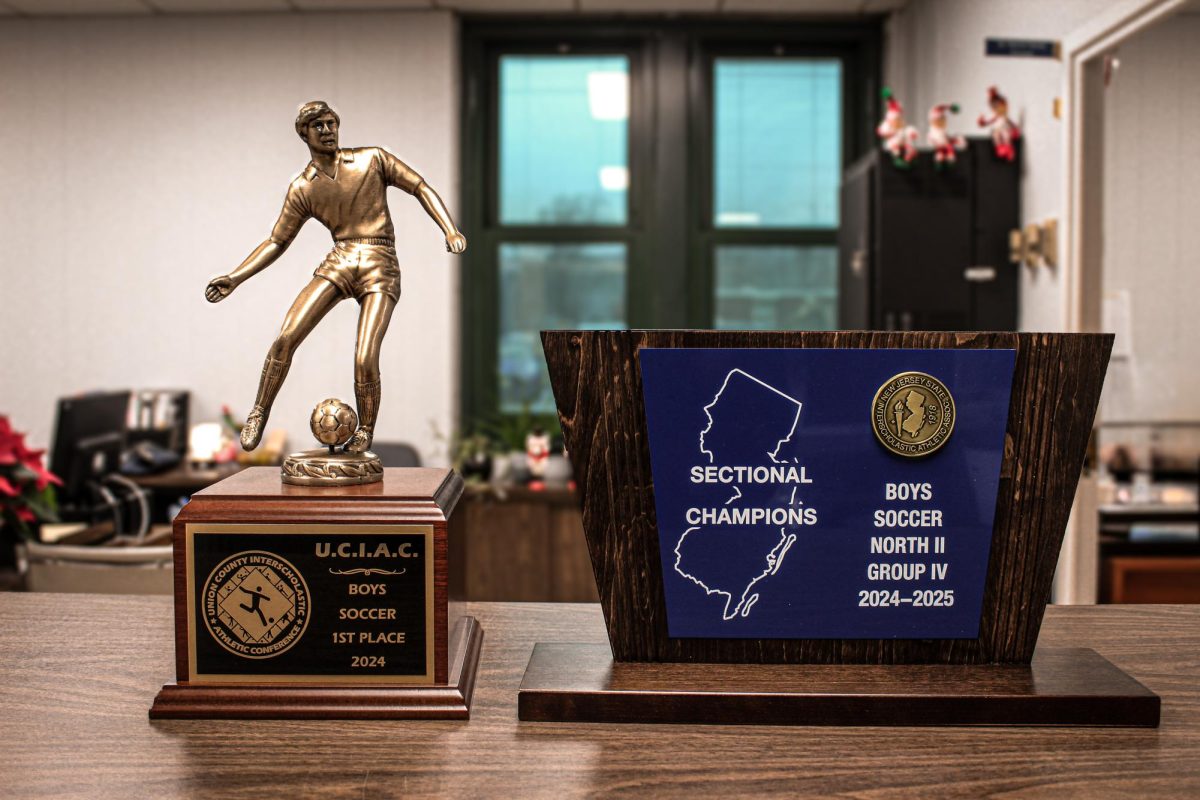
[
  {"x": 1065, "y": 686},
  {"x": 301, "y": 602},
  {"x": 918, "y": 489}
]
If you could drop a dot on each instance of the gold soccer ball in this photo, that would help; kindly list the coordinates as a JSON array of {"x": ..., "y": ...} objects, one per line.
[{"x": 333, "y": 421}]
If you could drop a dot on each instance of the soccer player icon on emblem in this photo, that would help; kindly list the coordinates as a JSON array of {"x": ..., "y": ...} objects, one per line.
[{"x": 346, "y": 190}]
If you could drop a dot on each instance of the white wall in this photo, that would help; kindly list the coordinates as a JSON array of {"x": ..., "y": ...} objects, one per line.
[
  {"x": 1151, "y": 238},
  {"x": 140, "y": 157},
  {"x": 934, "y": 54}
]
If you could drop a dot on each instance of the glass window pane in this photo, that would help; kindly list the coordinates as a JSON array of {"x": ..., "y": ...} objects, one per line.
[
  {"x": 545, "y": 287},
  {"x": 563, "y": 140},
  {"x": 777, "y": 142},
  {"x": 776, "y": 288}
]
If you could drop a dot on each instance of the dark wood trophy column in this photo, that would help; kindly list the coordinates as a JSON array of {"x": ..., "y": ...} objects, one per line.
[{"x": 306, "y": 603}]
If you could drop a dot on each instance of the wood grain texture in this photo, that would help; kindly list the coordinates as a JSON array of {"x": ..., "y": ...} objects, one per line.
[
  {"x": 505, "y": 550},
  {"x": 257, "y": 496},
  {"x": 522, "y": 546},
  {"x": 598, "y": 389},
  {"x": 1065, "y": 686},
  {"x": 1151, "y": 579},
  {"x": 77, "y": 673},
  {"x": 571, "y": 579}
]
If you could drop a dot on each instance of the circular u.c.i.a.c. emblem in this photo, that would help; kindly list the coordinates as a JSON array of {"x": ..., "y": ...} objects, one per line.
[
  {"x": 255, "y": 604},
  {"x": 913, "y": 414}
]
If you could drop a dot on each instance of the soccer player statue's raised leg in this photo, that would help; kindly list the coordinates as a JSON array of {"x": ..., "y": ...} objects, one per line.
[{"x": 346, "y": 190}]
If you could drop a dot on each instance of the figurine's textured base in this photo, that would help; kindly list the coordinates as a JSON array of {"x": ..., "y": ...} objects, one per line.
[{"x": 322, "y": 468}]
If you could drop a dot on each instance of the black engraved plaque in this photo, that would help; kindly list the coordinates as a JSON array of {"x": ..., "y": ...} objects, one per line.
[{"x": 297, "y": 603}]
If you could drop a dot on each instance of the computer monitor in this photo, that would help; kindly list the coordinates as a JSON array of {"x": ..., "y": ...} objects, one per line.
[{"x": 89, "y": 433}]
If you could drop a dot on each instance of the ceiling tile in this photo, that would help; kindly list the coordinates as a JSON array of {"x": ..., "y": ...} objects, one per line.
[
  {"x": 792, "y": 6},
  {"x": 508, "y": 6},
  {"x": 93, "y": 7},
  {"x": 360, "y": 5},
  {"x": 218, "y": 6},
  {"x": 879, "y": 6},
  {"x": 649, "y": 6}
]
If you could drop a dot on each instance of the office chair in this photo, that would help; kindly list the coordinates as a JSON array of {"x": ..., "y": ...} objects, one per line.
[
  {"x": 97, "y": 570},
  {"x": 396, "y": 454}
]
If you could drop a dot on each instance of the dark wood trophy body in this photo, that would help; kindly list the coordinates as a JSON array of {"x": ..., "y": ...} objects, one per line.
[
  {"x": 811, "y": 528},
  {"x": 308, "y": 602}
]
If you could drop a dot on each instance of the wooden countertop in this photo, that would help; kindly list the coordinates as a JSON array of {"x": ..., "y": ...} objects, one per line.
[
  {"x": 186, "y": 477},
  {"x": 78, "y": 673}
]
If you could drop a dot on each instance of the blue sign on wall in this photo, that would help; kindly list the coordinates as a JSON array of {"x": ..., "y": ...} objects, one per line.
[{"x": 782, "y": 515}]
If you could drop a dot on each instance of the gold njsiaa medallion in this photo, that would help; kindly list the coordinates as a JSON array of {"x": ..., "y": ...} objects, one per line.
[
  {"x": 256, "y": 604},
  {"x": 913, "y": 414}
]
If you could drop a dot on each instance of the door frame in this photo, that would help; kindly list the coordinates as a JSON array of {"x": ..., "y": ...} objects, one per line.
[
  {"x": 1083, "y": 154},
  {"x": 1082, "y": 277}
]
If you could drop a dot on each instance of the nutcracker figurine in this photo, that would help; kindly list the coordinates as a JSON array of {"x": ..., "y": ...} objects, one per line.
[
  {"x": 945, "y": 145},
  {"x": 537, "y": 453},
  {"x": 1004, "y": 132},
  {"x": 898, "y": 137}
]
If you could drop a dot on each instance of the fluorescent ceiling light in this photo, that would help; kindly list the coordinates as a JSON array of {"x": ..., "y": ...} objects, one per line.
[
  {"x": 608, "y": 95},
  {"x": 614, "y": 179},
  {"x": 739, "y": 218}
]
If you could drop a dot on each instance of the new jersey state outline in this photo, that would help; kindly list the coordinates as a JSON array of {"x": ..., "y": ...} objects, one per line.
[{"x": 749, "y": 424}]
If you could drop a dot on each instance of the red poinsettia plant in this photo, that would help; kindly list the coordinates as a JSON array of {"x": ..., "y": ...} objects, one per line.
[{"x": 26, "y": 486}]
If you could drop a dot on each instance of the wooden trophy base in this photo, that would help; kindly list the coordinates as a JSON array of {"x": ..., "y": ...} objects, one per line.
[
  {"x": 1069, "y": 686},
  {"x": 451, "y": 700},
  {"x": 307, "y": 602}
]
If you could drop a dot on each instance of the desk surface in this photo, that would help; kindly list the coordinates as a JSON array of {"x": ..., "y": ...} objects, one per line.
[
  {"x": 78, "y": 673},
  {"x": 186, "y": 477}
]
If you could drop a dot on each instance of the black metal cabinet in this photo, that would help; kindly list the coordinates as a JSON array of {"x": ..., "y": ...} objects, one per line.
[{"x": 927, "y": 249}]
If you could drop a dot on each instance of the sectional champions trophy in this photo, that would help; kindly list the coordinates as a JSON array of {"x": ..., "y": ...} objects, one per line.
[
  {"x": 321, "y": 591},
  {"x": 826, "y": 528}
]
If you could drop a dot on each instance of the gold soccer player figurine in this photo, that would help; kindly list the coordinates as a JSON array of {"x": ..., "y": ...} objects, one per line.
[{"x": 346, "y": 190}]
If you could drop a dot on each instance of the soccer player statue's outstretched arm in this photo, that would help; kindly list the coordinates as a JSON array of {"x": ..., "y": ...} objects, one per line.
[
  {"x": 433, "y": 205},
  {"x": 294, "y": 214},
  {"x": 263, "y": 256},
  {"x": 400, "y": 175}
]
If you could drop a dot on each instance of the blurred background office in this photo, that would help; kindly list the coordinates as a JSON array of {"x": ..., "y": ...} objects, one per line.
[{"x": 642, "y": 163}]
